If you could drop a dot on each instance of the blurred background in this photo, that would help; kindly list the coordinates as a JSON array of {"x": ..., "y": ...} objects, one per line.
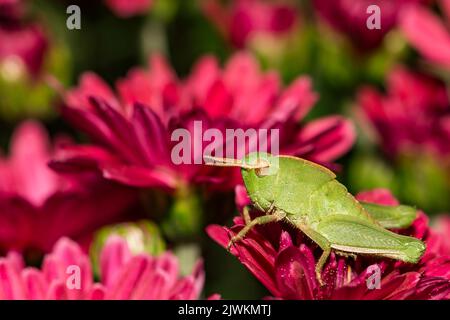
[{"x": 383, "y": 79}]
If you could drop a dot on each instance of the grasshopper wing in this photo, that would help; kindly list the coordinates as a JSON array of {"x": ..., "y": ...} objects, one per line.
[
  {"x": 391, "y": 217},
  {"x": 355, "y": 235}
]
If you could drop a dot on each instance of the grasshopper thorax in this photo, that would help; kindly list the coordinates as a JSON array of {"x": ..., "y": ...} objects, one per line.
[{"x": 261, "y": 181}]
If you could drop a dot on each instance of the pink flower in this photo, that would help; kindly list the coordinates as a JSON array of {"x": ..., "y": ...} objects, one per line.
[
  {"x": 439, "y": 240},
  {"x": 22, "y": 48},
  {"x": 132, "y": 129},
  {"x": 10, "y": 10},
  {"x": 414, "y": 114},
  {"x": 23, "y": 45},
  {"x": 283, "y": 260},
  {"x": 128, "y": 8},
  {"x": 243, "y": 20},
  {"x": 427, "y": 33},
  {"x": 350, "y": 17},
  {"x": 37, "y": 207},
  {"x": 66, "y": 273}
]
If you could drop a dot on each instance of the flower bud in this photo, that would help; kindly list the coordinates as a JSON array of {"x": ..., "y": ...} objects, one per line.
[{"x": 141, "y": 237}]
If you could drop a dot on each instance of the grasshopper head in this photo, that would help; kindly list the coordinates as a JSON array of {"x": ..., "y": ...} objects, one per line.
[
  {"x": 259, "y": 171},
  {"x": 261, "y": 181}
]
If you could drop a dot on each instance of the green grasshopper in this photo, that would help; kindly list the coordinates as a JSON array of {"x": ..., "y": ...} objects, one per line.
[{"x": 309, "y": 197}]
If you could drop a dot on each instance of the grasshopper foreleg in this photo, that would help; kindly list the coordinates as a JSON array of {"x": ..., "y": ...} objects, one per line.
[
  {"x": 276, "y": 216},
  {"x": 246, "y": 214},
  {"x": 272, "y": 209}
]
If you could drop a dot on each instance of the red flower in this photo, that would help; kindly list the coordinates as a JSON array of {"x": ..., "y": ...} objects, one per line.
[
  {"x": 414, "y": 114},
  {"x": 37, "y": 207},
  {"x": 132, "y": 129},
  {"x": 66, "y": 273},
  {"x": 283, "y": 260},
  {"x": 129, "y": 8},
  {"x": 243, "y": 20},
  {"x": 350, "y": 17},
  {"x": 429, "y": 35}
]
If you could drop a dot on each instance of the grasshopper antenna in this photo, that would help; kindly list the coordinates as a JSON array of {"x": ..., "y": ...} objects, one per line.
[{"x": 228, "y": 162}]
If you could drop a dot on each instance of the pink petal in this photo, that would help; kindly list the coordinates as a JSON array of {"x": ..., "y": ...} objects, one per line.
[
  {"x": 378, "y": 196},
  {"x": 11, "y": 285},
  {"x": 65, "y": 254},
  {"x": 241, "y": 197},
  {"x": 331, "y": 137},
  {"x": 254, "y": 252},
  {"x": 427, "y": 34},
  {"x": 79, "y": 157},
  {"x": 57, "y": 291},
  {"x": 241, "y": 71},
  {"x": 203, "y": 75},
  {"x": 90, "y": 85},
  {"x": 218, "y": 101},
  {"x": 139, "y": 176},
  {"x": 35, "y": 283},
  {"x": 153, "y": 285},
  {"x": 285, "y": 241},
  {"x": 33, "y": 179},
  {"x": 298, "y": 97},
  {"x": 151, "y": 135},
  {"x": 114, "y": 255},
  {"x": 92, "y": 125},
  {"x": 124, "y": 137},
  {"x": 295, "y": 274},
  {"x": 97, "y": 293},
  {"x": 130, "y": 275}
]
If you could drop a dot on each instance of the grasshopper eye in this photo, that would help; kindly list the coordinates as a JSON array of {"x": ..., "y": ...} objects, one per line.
[
  {"x": 270, "y": 170},
  {"x": 263, "y": 172}
]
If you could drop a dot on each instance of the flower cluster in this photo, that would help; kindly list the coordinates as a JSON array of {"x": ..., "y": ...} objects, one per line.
[
  {"x": 350, "y": 18},
  {"x": 414, "y": 114},
  {"x": 38, "y": 206},
  {"x": 66, "y": 274},
  {"x": 132, "y": 129},
  {"x": 246, "y": 20}
]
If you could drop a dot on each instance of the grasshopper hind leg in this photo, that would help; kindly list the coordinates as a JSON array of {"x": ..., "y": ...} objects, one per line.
[
  {"x": 323, "y": 243},
  {"x": 345, "y": 254},
  {"x": 322, "y": 260},
  {"x": 246, "y": 214}
]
